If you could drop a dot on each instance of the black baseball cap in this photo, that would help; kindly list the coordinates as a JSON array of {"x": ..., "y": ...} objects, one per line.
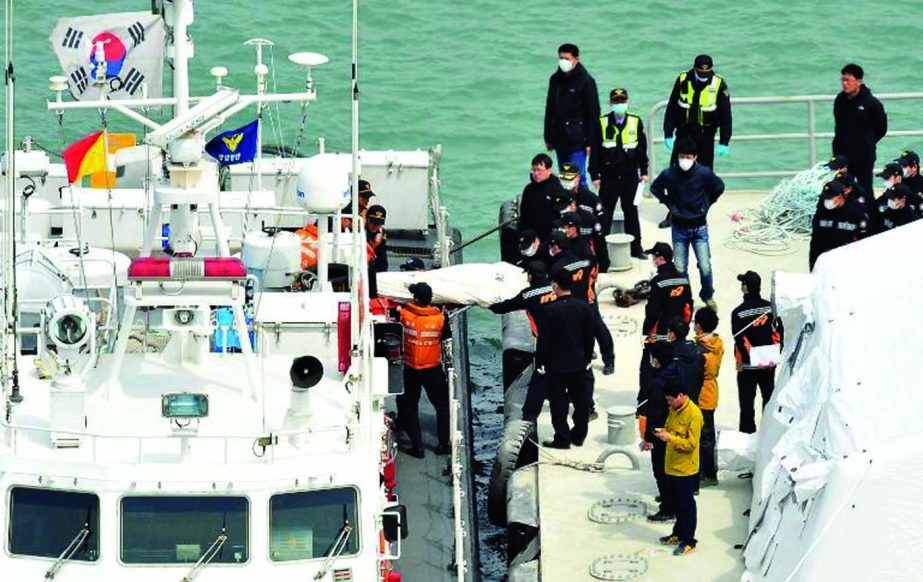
[
  {"x": 536, "y": 268},
  {"x": 890, "y": 170},
  {"x": 365, "y": 189},
  {"x": 570, "y": 219},
  {"x": 837, "y": 162},
  {"x": 421, "y": 291},
  {"x": 832, "y": 189},
  {"x": 898, "y": 191},
  {"x": 908, "y": 158},
  {"x": 526, "y": 238},
  {"x": 618, "y": 95},
  {"x": 661, "y": 249},
  {"x": 845, "y": 178},
  {"x": 560, "y": 239},
  {"x": 751, "y": 279},
  {"x": 703, "y": 64},
  {"x": 413, "y": 264},
  {"x": 562, "y": 199},
  {"x": 376, "y": 214},
  {"x": 568, "y": 172}
]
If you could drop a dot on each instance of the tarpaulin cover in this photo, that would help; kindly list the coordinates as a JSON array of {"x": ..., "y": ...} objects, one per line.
[
  {"x": 480, "y": 284},
  {"x": 840, "y": 456}
]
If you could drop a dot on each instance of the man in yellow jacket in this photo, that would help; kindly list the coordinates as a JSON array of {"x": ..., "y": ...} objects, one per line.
[
  {"x": 710, "y": 344},
  {"x": 681, "y": 434}
]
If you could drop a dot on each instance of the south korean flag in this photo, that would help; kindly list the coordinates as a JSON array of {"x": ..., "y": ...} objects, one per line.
[{"x": 114, "y": 56}]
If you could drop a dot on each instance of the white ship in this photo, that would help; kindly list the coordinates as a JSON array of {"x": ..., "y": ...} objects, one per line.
[{"x": 214, "y": 411}]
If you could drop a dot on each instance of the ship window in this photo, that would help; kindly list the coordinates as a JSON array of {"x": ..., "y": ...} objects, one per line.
[
  {"x": 46, "y": 522},
  {"x": 308, "y": 524},
  {"x": 181, "y": 529}
]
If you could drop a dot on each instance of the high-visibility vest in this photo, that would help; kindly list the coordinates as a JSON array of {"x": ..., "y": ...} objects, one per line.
[
  {"x": 308, "y": 236},
  {"x": 628, "y": 135},
  {"x": 708, "y": 96},
  {"x": 422, "y": 336}
]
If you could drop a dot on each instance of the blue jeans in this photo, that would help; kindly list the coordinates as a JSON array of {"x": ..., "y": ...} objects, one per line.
[
  {"x": 698, "y": 238},
  {"x": 575, "y": 158}
]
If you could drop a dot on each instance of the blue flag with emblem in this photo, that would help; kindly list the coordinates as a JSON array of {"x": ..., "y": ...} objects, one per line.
[{"x": 236, "y": 146}]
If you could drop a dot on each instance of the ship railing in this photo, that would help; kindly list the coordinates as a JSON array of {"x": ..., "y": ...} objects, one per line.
[
  {"x": 811, "y": 134},
  {"x": 261, "y": 453},
  {"x": 457, "y": 442}
]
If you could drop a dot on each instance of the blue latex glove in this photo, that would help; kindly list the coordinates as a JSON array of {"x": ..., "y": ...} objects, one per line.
[
  {"x": 669, "y": 143},
  {"x": 723, "y": 150}
]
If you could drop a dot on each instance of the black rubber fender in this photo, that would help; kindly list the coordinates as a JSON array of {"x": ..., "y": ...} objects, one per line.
[
  {"x": 509, "y": 234},
  {"x": 516, "y": 449}
]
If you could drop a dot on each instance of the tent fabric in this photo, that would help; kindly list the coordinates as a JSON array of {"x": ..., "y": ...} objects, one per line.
[{"x": 839, "y": 461}]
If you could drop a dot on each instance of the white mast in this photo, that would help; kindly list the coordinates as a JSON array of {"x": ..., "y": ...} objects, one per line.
[
  {"x": 10, "y": 367},
  {"x": 358, "y": 235},
  {"x": 182, "y": 46}
]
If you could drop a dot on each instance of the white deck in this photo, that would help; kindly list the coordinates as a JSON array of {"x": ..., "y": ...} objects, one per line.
[{"x": 569, "y": 540}]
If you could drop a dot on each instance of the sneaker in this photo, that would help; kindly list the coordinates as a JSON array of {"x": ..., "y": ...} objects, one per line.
[
  {"x": 683, "y": 549},
  {"x": 639, "y": 254},
  {"x": 711, "y": 303},
  {"x": 593, "y": 415},
  {"x": 709, "y": 482},
  {"x": 670, "y": 540},
  {"x": 556, "y": 444},
  {"x": 415, "y": 452},
  {"x": 665, "y": 223},
  {"x": 443, "y": 450},
  {"x": 661, "y": 517},
  {"x": 608, "y": 369}
]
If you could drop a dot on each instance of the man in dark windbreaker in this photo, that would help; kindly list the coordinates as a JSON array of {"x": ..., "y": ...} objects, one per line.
[
  {"x": 536, "y": 212},
  {"x": 689, "y": 189},
  {"x": 836, "y": 222},
  {"x": 571, "y": 111},
  {"x": 860, "y": 123}
]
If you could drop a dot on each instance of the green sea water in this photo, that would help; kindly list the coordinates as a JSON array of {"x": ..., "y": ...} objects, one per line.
[{"x": 472, "y": 76}]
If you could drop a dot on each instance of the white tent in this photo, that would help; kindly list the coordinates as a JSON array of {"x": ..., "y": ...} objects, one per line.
[{"x": 837, "y": 489}]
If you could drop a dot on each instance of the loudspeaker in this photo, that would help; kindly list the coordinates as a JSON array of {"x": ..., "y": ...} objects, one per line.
[{"x": 306, "y": 372}]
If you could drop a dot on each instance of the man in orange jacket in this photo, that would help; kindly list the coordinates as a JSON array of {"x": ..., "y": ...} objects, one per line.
[
  {"x": 425, "y": 327},
  {"x": 710, "y": 344}
]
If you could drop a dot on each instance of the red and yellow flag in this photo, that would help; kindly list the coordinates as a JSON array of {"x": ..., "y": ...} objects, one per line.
[{"x": 85, "y": 157}]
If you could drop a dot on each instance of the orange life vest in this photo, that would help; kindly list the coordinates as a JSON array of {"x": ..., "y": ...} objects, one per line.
[
  {"x": 422, "y": 336},
  {"x": 308, "y": 236}
]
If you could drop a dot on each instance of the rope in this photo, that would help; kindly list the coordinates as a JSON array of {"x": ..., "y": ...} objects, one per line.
[
  {"x": 773, "y": 226},
  {"x": 552, "y": 460}
]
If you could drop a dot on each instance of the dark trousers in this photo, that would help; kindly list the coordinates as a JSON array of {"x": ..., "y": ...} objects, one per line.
[
  {"x": 863, "y": 172},
  {"x": 747, "y": 382},
  {"x": 658, "y": 465},
  {"x": 620, "y": 189},
  {"x": 603, "y": 337},
  {"x": 705, "y": 145},
  {"x": 566, "y": 388},
  {"x": 709, "y": 467},
  {"x": 432, "y": 380},
  {"x": 682, "y": 496},
  {"x": 536, "y": 394}
]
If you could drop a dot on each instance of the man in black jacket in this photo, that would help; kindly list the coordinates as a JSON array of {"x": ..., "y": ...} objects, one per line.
[
  {"x": 562, "y": 353},
  {"x": 753, "y": 325},
  {"x": 688, "y": 190},
  {"x": 860, "y": 123},
  {"x": 619, "y": 163},
  {"x": 689, "y": 357},
  {"x": 531, "y": 248},
  {"x": 533, "y": 299},
  {"x": 910, "y": 168},
  {"x": 571, "y": 110},
  {"x": 836, "y": 222},
  {"x": 896, "y": 210},
  {"x": 535, "y": 205}
]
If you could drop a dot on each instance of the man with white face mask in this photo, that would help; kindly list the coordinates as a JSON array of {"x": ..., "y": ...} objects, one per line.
[
  {"x": 897, "y": 212},
  {"x": 836, "y": 223},
  {"x": 698, "y": 107},
  {"x": 910, "y": 167},
  {"x": 571, "y": 110},
  {"x": 688, "y": 190},
  {"x": 891, "y": 176},
  {"x": 619, "y": 162}
]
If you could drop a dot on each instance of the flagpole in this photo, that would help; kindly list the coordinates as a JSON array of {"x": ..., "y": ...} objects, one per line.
[
  {"x": 10, "y": 364},
  {"x": 181, "y": 56},
  {"x": 358, "y": 246}
]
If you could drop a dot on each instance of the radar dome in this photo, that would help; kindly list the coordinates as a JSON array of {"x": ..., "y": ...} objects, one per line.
[{"x": 323, "y": 183}]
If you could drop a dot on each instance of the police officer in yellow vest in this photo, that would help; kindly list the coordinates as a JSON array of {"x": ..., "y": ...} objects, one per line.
[
  {"x": 618, "y": 163},
  {"x": 699, "y": 107}
]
